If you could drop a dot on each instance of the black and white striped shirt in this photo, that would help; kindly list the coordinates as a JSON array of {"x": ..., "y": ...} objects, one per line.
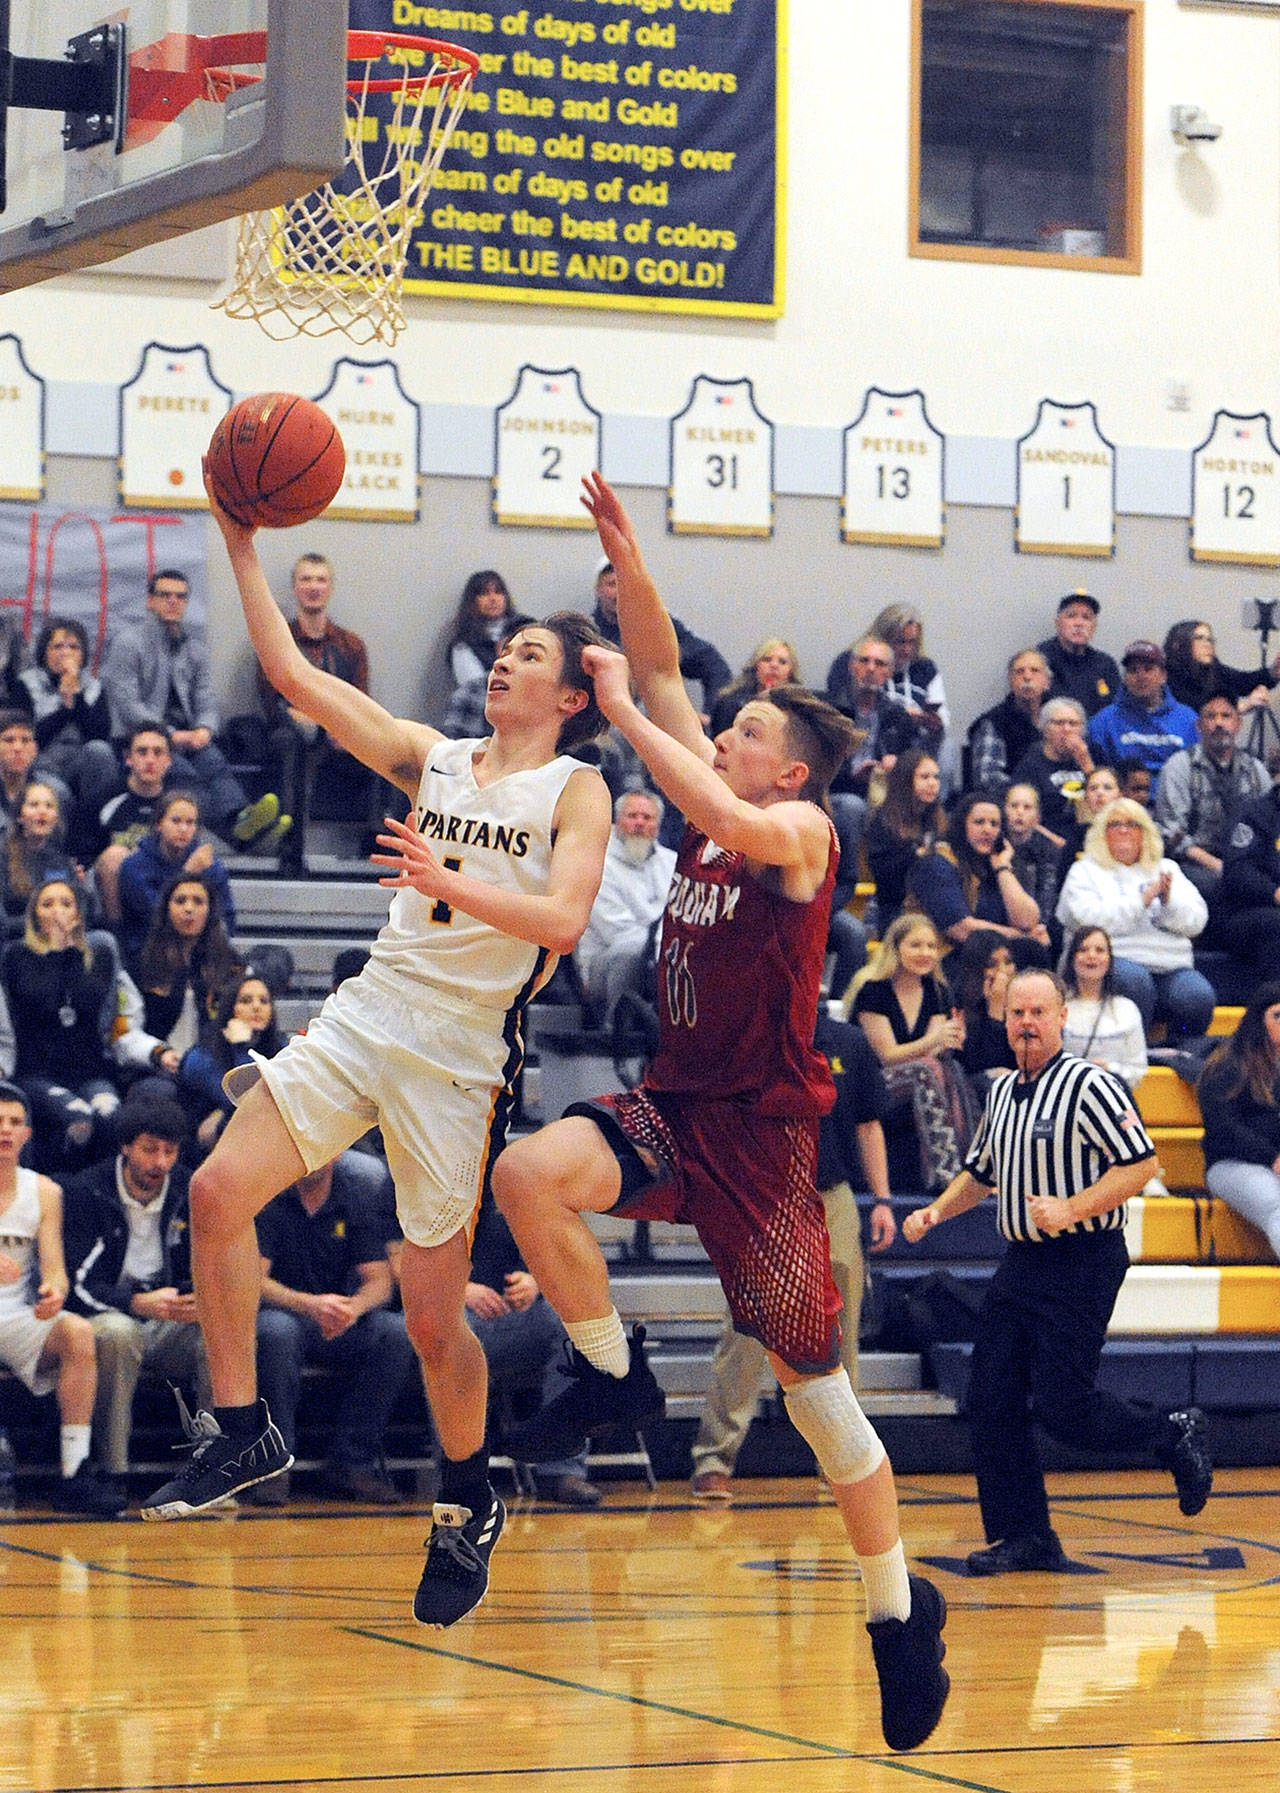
[{"x": 1055, "y": 1136}]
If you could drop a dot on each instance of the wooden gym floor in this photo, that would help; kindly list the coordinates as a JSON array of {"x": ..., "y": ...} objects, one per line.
[{"x": 651, "y": 1646}]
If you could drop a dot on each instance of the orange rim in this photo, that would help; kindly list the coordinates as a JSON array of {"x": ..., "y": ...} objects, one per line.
[{"x": 371, "y": 46}]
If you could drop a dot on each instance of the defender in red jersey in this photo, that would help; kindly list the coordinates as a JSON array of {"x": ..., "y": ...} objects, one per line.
[{"x": 723, "y": 1132}]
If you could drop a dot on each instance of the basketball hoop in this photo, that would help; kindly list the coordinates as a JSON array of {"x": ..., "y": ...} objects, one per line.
[{"x": 334, "y": 260}]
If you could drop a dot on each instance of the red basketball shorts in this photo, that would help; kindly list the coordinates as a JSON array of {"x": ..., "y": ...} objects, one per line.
[{"x": 745, "y": 1181}]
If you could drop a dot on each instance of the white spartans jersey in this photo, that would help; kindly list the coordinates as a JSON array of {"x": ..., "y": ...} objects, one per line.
[
  {"x": 500, "y": 834},
  {"x": 19, "y": 1225}
]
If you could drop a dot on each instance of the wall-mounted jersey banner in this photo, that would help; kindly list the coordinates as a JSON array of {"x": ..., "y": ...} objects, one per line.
[
  {"x": 1235, "y": 492},
  {"x": 546, "y": 440},
  {"x": 21, "y": 425},
  {"x": 379, "y": 429},
  {"x": 721, "y": 463},
  {"x": 167, "y": 414},
  {"x": 1066, "y": 484},
  {"x": 610, "y": 154},
  {"x": 893, "y": 472}
]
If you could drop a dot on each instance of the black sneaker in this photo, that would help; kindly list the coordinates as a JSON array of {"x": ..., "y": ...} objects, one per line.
[
  {"x": 1014, "y": 1556},
  {"x": 908, "y": 1656},
  {"x": 456, "y": 1573},
  {"x": 219, "y": 1466},
  {"x": 1189, "y": 1460},
  {"x": 89, "y": 1493},
  {"x": 596, "y": 1403}
]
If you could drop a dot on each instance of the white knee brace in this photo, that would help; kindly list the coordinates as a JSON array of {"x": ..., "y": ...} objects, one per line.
[{"x": 826, "y": 1414}]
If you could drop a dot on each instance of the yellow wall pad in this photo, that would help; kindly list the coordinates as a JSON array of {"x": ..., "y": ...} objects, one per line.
[
  {"x": 1180, "y": 1153},
  {"x": 1177, "y": 1299},
  {"x": 1180, "y": 1229},
  {"x": 1226, "y": 1019}
]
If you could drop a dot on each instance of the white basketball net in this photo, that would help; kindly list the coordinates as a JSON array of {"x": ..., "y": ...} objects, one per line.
[{"x": 334, "y": 260}]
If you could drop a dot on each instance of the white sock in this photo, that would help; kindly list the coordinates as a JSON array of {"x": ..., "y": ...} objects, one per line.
[
  {"x": 603, "y": 1343},
  {"x": 884, "y": 1581},
  {"x": 75, "y": 1448}
]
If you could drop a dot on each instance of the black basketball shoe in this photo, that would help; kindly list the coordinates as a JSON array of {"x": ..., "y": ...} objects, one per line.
[
  {"x": 455, "y": 1575},
  {"x": 908, "y": 1655},
  {"x": 220, "y": 1466},
  {"x": 595, "y": 1403},
  {"x": 1189, "y": 1460}
]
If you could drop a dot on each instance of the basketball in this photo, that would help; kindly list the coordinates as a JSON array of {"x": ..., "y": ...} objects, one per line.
[{"x": 275, "y": 460}]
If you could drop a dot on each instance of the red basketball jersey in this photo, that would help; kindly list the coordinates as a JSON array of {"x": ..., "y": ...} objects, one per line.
[{"x": 738, "y": 980}]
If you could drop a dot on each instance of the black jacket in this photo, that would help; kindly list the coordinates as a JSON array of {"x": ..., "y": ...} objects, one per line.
[{"x": 97, "y": 1236}]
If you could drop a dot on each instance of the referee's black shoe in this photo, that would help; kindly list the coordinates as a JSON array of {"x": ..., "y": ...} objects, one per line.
[
  {"x": 593, "y": 1404},
  {"x": 1013, "y": 1556},
  {"x": 908, "y": 1656},
  {"x": 1189, "y": 1459}
]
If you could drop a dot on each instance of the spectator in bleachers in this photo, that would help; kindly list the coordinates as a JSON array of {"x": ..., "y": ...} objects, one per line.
[
  {"x": 13, "y": 662},
  {"x": 1037, "y": 854},
  {"x": 185, "y": 960},
  {"x": 1199, "y": 791},
  {"x": 771, "y": 664},
  {"x": 1059, "y": 765},
  {"x": 72, "y": 727},
  {"x": 1144, "y": 722},
  {"x": 303, "y": 758},
  {"x": 34, "y": 850},
  {"x": 169, "y": 846},
  {"x": 244, "y": 1022},
  {"x": 45, "y": 1347},
  {"x": 917, "y": 684},
  {"x": 986, "y": 963},
  {"x": 126, "y": 818},
  {"x": 1001, "y": 736},
  {"x": 18, "y": 753},
  {"x": 484, "y": 617},
  {"x": 851, "y": 1155},
  {"x": 61, "y": 989},
  {"x": 1102, "y": 1025},
  {"x": 631, "y": 898},
  {"x": 129, "y": 1255},
  {"x": 158, "y": 669},
  {"x": 326, "y": 1283},
  {"x": 524, "y": 1341},
  {"x": 910, "y": 1017},
  {"x": 1078, "y": 669},
  {"x": 907, "y": 823},
  {"x": 1150, "y": 911},
  {"x": 1249, "y": 898},
  {"x": 870, "y": 703},
  {"x": 1196, "y": 673},
  {"x": 1136, "y": 781},
  {"x": 700, "y": 662},
  {"x": 1238, "y": 1090},
  {"x": 967, "y": 881}
]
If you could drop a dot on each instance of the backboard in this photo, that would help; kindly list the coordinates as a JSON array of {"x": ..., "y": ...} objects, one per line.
[{"x": 131, "y": 124}]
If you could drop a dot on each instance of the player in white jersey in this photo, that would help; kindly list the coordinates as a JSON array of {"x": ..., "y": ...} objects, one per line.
[
  {"x": 497, "y": 879},
  {"x": 44, "y": 1347}
]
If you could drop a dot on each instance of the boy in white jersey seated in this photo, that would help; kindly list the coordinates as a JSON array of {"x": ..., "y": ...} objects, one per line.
[
  {"x": 45, "y": 1348},
  {"x": 495, "y": 880}
]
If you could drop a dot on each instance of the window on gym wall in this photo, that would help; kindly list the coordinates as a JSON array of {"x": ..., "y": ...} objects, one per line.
[{"x": 1026, "y": 132}]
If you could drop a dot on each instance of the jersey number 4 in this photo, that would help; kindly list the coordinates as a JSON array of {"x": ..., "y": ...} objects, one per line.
[{"x": 441, "y": 912}]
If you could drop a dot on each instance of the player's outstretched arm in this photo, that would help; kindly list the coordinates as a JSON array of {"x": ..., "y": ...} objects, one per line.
[
  {"x": 394, "y": 748},
  {"x": 792, "y": 835},
  {"x": 648, "y": 639},
  {"x": 558, "y": 916}
]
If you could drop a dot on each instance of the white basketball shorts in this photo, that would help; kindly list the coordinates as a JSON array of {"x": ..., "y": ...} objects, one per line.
[{"x": 426, "y": 1068}]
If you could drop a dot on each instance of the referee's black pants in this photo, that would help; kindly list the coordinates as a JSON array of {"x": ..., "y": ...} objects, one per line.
[{"x": 1040, "y": 1338}]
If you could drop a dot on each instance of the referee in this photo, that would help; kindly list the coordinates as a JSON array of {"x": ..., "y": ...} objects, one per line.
[{"x": 1062, "y": 1144}]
